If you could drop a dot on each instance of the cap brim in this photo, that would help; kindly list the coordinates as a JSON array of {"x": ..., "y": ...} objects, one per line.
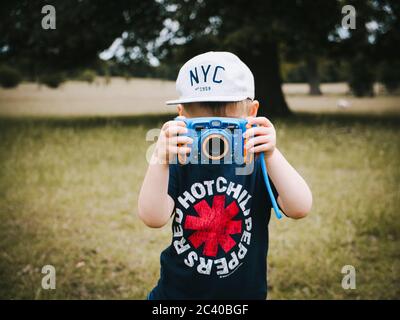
[{"x": 208, "y": 99}]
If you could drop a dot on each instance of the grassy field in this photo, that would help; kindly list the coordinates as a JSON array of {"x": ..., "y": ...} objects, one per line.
[
  {"x": 148, "y": 96},
  {"x": 68, "y": 196}
]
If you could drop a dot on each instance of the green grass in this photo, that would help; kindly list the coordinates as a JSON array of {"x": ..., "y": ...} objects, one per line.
[{"x": 68, "y": 197}]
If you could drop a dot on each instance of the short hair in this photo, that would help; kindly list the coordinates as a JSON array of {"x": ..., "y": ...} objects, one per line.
[{"x": 217, "y": 108}]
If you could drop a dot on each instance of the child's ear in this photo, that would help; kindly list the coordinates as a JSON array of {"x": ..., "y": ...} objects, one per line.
[
  {"x": 180, "y": 109},
  {"x": 254, "y": 108}
]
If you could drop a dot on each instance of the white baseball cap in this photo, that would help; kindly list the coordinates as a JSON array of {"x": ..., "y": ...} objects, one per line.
[{"x": 214, "y": 76}]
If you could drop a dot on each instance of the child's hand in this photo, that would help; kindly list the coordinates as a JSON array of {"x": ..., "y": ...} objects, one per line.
[
  {"x": 170, "y": 143},
  {"x": 261, "y": 138}
]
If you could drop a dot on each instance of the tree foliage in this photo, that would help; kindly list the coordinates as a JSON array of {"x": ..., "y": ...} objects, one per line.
[
  {"x": 262, "y": 33},
  {"x": 9, "y": 77},
  {"x": 84, "y": 28}
]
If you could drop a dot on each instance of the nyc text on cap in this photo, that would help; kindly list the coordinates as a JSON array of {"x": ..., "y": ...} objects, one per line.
[{"x": 214, "y": 76}]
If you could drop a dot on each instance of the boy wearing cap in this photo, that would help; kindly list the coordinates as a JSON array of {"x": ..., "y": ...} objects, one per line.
[{"x": 220, "y": 223}]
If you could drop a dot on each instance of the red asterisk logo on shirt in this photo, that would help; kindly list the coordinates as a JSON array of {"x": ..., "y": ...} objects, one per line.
[{"x": 214, "y": 225}]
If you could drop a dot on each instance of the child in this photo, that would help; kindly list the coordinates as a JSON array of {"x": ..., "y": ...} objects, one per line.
[{"x": 220, "y": 226}]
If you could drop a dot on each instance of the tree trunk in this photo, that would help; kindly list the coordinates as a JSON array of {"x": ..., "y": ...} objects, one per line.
[
  {"x": 268, "y": 82},
  {"x": 313, "y": 76}
]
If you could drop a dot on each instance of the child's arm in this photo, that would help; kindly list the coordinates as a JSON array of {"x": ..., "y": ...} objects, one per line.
[
  {"x": 295, "y": 196},
  {"x": 155, "y": 205}
]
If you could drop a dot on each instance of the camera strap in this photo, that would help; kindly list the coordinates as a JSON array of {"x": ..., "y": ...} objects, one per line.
[{"x": 269, "y": 189}]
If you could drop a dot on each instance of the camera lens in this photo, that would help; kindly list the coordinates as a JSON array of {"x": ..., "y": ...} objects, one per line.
[{"x": 215, "y": 146}]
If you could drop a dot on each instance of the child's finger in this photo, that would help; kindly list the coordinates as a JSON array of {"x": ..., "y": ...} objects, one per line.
[
  {"x": 257, "y": 131},
  {"x": 249, "y": 122},
  {"x": 172, "y": 131},
  {"x": 184, "y": 150},
  {"x": 180, "y": 140},
  {"x": 173, "y": 123},
  {"x": 262, "y": 121},
  {"x": 179, "y": 150},
  {"x": 261, "y": 148},
  {"x": 257, "y": 140}
]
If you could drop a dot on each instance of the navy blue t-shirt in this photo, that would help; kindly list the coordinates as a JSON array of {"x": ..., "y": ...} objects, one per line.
[{"x": 219, "y": 234}]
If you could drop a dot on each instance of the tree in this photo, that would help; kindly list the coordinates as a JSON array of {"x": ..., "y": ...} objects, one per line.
[
  {"x": 357, "y": 50},
  {"x": 9, "y": 77},
  {"x": 387, "y": 44},
  {"x": 249, "y": 29},
  {"x": 307, "y": 36},
  {"x": 374, "y": 41},
  {"x": 84, "y": 28},
  {"x": 260, "y": 32}
]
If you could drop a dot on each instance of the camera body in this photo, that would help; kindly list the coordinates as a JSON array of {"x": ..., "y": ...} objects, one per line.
[{"x": 216, "y": 140}]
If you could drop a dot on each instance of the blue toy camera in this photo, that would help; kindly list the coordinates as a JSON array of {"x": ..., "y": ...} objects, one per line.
[
  {"x": 216, "y": 140},
  {"x": 220, "y": 140}
]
